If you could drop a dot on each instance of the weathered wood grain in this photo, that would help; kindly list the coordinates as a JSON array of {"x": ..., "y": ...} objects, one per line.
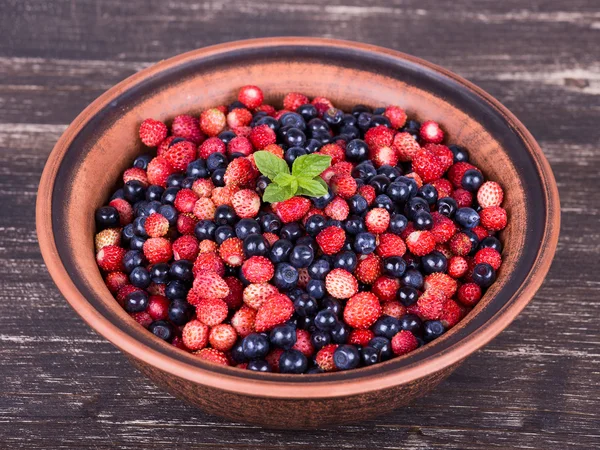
[{"x": 535, "y": 386}]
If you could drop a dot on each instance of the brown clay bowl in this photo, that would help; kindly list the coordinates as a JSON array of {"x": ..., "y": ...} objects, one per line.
[{"x": 102, "y": 141}]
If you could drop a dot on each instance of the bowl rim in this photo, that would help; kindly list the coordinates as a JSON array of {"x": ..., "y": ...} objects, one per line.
[{"x": 273, "y": 388}]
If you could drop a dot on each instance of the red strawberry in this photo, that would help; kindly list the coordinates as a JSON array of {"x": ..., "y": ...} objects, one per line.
[
  {"x": 124, "y": 209},
  {"x": 303, "y": 343},
  {"x": 368, "y": 192},
  {"x": 341, "y": 284},
  {"x": 240, "y": 172},
  {"x": 239, "y": 117},
  {"x": 293, "y": 209},
  {"x": 261, "y": 136},
  {"x": 115, "y": 281},
  {"x": 246, "y": 203},
  {"x": 431, "y": 304},
  {"x": 325, "y": 358},
  {"x": 275, "y": 149},
  {"x": 255, "y": 294},
  {"x": 158, "y": 307},
  {"x": 480, "y": 232},
  {"x": 110, "y": 258},
  {"x": 240, "y": 144},
  {"x": 195, "y": 335},
  {"x": 158, "y": 171},
  {"x": 396, "y": 115},
  {"x": 457, "y": 267},
  {"x": 343, "y": 168},
  {"x": 269, "y": 109},
  {"x": 444, "y": 250},
  {"x": 377, "y": 220},
  {"x": 384, "y": 156},
  {"x": 489, "y": 256},
  {"x": 443, "y": 187},
  {"x": 379, "y": 136},
  {"x": 322, "y": 101},
  {"x": 137, "y": 174},
  {"x": 443, "y": 154},
  {"x": 460, "y": 244},
  {"x": 207, "y": 246},
  {"x": 343, "y": 185},
  {"x": 327, "y": 175},
  {"x": 203, "y": 187},
  {"x": 489, "y": 194},
  {"x": 362, "y": 310},
  {"x": 337, "y": 209},
  {"x": 210, "y": 285},
  {"x": 212, "y": 122},
  {"x": 231, "y": 252},
  {"x": 427, "y": 165},
  {"x": 463, "y": 197},
  {"x": 493, "y": 218},
  {"x": 360, "y": 337},
  {"x": 404, "y": 342},
  {"x": 185, "y": 200},
  {"x": 211, "y": 311},
  {"x": 272, "y": 359},
  {"x": 274, "y": 311},
  {"x": 457, "y": 171},
  {"x": 443, "y": 228},
  {"x": 188, "y": 128},
  {"x": 152, "y": 132},
  {"x": 251, "y": 96},
  {"x": 236, "y": 288},
  {"x": 242, "y": 131},
  {"x": 258, "y": 269},
  {"x": 368, "y": 269},
  {"x": 204, "y": 209},
  {"x": 441, "y": 282},
  {"x": 431, "y": 132},
  {"x": 177, "y": 342},
  {"x": 293, "y": 100},
  {"x": 186, "y": 222},
  {"x": 212, "y": 355},
  {"x": 271, "y": 238},
  {"x": 158, "y": 250},
  {"x": 451, "y": 314},
  {"x": 222, "y": 337},
  {"x": 331, "y": 240},
  {"x": 164, "y": 145},
  {"x": 180, "y": 155},
  {"x": 385, "y": 288},
  {"x": 243, "y": 321},
  {"x": 469, "y": 294},
  {"x": 336, "y": 152},
  {"x": 210, "y": 146},
  {"x": 394, "y": 309},
  {"x": 156, "y": 225},
  {"x": 420, "y": 243},
  {"x": 224, "y": 195},
  {"x": 143, "y": 318},
  {"x": 109, "y": 236},
  {"x": 406, "y": 146}
]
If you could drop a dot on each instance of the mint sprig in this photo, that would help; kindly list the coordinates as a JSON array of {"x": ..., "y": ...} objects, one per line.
[{"x": 303, "y": 180}]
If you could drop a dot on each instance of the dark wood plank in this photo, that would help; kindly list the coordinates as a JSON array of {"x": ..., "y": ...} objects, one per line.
[{"x": 535, "y": 386}]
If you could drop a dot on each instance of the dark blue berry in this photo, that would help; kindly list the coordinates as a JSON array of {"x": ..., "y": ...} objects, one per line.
[
  {"x": 259, "y": 365},
  {"x": 340, "y": 334},
  {"x": 408, "y": 295},
  {"x": 237, "y": 352},
  {"x": 225, "y": 215},
  {"x": 428, "y": 193},
  {"x": 398, "y": 192},
  {"x": 467, "y": 217},
  {"x": 357, "y": 150},
  {"x": 134, "y": 191},
  {"x": 141, "y": 162},
  {"x": 255, "y": 346},
  {"x": 283, "y": 336},
  {"x": 312, "y": 145},
  {"x": 365, "y": 243},
  {"x": 294, "y": 120},
  {"x": 223, "y": 233},
  {"x": 412, "y": 323},
  {"x": 345, "y": 260},
  {"x": 369, "y": 356},
  {"x": 175, "y": 180},
  {"x": 245, "y": 227},
  {"x": 346, "y": 357},
  {"x": 126, "y": 234},
  {"x": 412, "y": 278},
  {"x": 291, "y": 231},
  {"x": 316, "y": 288},
  {"x": 292, "y": 153},
  {"x": 319, "y": 269},
  {"x": 271, "y": 122},
  {"x": 162, "y": 329},
  {"x": 216, "y": 161},
  {"x": 386, "y": 326},
  {"x": 389, "y": 171},
  {"x": 364, "y": 171},
  {"x": 307, "y": 111},
  {"x": 460, "y": 154},
  {"x": 292, "y": 361},
  {"x": 255, "y": 245},
  {"x": 326, "y": 320},
  {"x": 484, "y": 275},
  {"x": 423, "y": 220},
  {"x": 176, "y": 289},
  {"x": 302, "y": 256},
  {"x": 181, "y": 270},
  {"x": 154, "y": 193},
  {"x": 117, "y": 194},
  {"x": 472, "y": 180},
  {"x": 491, "y": 242},
  {"x": 320, "y": 339},
  {"x": 432, "y": 329},
  {"x": 354, "y": 225},
  {"x": 380, "y": 183},
  {"x": 270, "y": 223},
  {"x": 415, "y": 205},
  {"x": 205, "y": 229},
  {"x": 305, "y": 305},
  {"x": 332, "y": 305},
  {"x": 159, "y": 273},
  {"x": 411, "y": 183},
  {"x": 218, "y": 177},
  {"x": 383, "y": 345},
  {"x": 137, "y": 243},
  {"x": 133, "y": 259},
  {"x": 281, "y": 251},
  {"x": 398, "y": 223},
  {"x": 315, "y": 224},
  {"x": 383, "y": 201},
  {"x": 447, "y": 206},
  {"x": 323, "y": 201},
  {"x": 286, "y": 276},
  {"x": 139, "y": 277},
  {"x": 358, "y": 204},
  {"x": 434, "y": 262},
  {"x": 394, "y": 266},
  {"x": 106, "y": 217},
  {"x": 136, "y": 302}
]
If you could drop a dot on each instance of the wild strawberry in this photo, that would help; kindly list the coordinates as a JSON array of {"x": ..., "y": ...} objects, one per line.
[
  {"x": 410, "y": 228},
  {"x": 451, "y": 314},
  {"x": 240, "y": 144},
  {"x": 158, "y": 250},
  {"x": 269, "y": 109},
  {"x": 231, "y": 252},
  {"x": 303, "y": 277},
  {"x": 204, "y": 209},
  {"x": 137, "y": 174},
  {"x": 427, "y": 165},
  {"x": 293, "y": 100},
  {"x": 156, "y": 225},
  {"x": 258, "y": 269},
  {"x": 261, "y": 136},
  {"x": 377, "y": 220},
  {"x": 404, "y": 342},
  {"x": 336, "y": 152},
  {"x": 368, "y": 192},
  {"x": 212, "y": 355},
  {"x": 152, "y": 132},
  {"x": 463, "y": 197},
  {"x": 360, "y": 337},
  {"x": 337, "y": 209},
  {"x": 275, "y": 149},
  {"x": 343, "y": 168},
  {"x": 480, "y": 232},
  {"x": 212, "y": 122},
  {"x": 443, "y": 228},
  {"x": 243, "y": 321},
  {"x": 457, "y": 267},
  {"x": 210, "y": 262},
  {"x": 379, "y": 136},
  {"x": 210, "y": 285},
  {"x": 236, "y": 288},
  {"x": 384, "y": 156},
  {"x": 195, "y": 335},
  {"x": 203, "y": 187},
  {"x": 460, "y": 244},
  {"x": 251, "y": 96},
  {"x": 124, "y": 209},
  {"x": 469, "y": 294},
  {"x": 322, "y": 101},
  {"x": 240, "y": 172},
  {"x": 109, "y": 236},
  {"x": 420, "y": 243},
  {"x": 368, "y": 269},
  {"x": 222, "y": 337},
  {"x": 489, "y": 194},
  {"x": 303, "y": 343},
  {"x": 393, "y": 308},
  {"x": 442, "y": 282},
  {"x": 207, "y": 246},
  {"x": 343, "y": 185},
  {"x": 115, "y": 281},
  {"x": 442, "y": 153},
  {"x": 406, "y": 146},
  {"x": 362, "y": 310},
  {"x": 239, "y": 117},
  {"x": 224, "y": 195},
  {"x": 185, "y": 200},
  {"x": 396, "y": 115},
  {"x": 274, "y": 311},
  {"x": 327, "y": 175},
  {"x": 431, "y": 132},
  {"x": 457, "y": 171},
  {"x": 187, "y": 127},
  {"x": 210, "y": 146},
  {"x": 246, "y": 203},
  {"x": 493, "y": 218},
  {"x": 110, "y": 258},
  {"x": 158, "y": 171},
  {"x": 331, "y": 240},
  {"x": 385, "y": 288},
  {"x": 293, "y": 209},
  {"x": 443, "y": 187},
  {"x": 242, "y": 131},
  {"x": 211, "y": 311},
  {"x": 444, "y": 249},
  {"x": 271, "y": 238},
  {"x": 158, "y": 307},
  {"x": 431, "y": 303},
  {"x": 325, "y": 358},
  {"x": 186, "y": 222},
  {"x": 489, "y": 256},
  {"x": 143, "y": 318},
  {"x": 341, "y": 284},
  {"x": 272, "y": 359},
  {"x": 256, "y": 294},
  {"x": 180, "y": 155}
]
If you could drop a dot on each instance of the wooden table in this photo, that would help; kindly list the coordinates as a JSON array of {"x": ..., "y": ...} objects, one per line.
[{"x": 535, "y": 386}]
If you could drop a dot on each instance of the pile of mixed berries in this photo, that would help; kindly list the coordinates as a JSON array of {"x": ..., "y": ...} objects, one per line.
[{"x": 299, "y": 240}]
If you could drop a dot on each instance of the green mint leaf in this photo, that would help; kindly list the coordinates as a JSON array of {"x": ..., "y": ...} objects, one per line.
[
  {"x": 275, "y": 193},
  {"x": 313, "y": 188},
  {"x": 270, "y": 165},
  {"x": 310, "y": 166},
  {"x": 283, "y": 179}
]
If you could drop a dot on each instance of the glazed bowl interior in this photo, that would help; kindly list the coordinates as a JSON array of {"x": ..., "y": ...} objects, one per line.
[{"x": 102, "y": 142}]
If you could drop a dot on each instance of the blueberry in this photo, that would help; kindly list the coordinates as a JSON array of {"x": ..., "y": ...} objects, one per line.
[
  {"x": 380, "y": 119},
  {"x": 126, "y": 234},
  {"x": 223, "y": 233},
  {"x": 150, "y": 208},
  {"x": 447, "y": 206},
  {"x": 261, "y": 184},
  {"x": 197, "y": 169},
  {"x": 255, "y": 245},
  {"x": 432, "y": 329},
  {"x": 333, "y": 117},
  {"x": 317, "y": 126},
  {"x": 133, "y": 259},
  {"x": 349, "y": 132},
  {"x": 107, "y": 217},
  {"x": 484, "y": 275},
  {"x": 412, "y": 323},
  {"x": 139, "y": 277},
  {"x": 323, "y": 201},
  {"x": 473, "y": 238},
  {"x": 259, "y": 365},
  {"x": 176, "y": 289},
  {"x": 162, "y": 329},
  {"x": 291, "y": 231},
  {"x": 423, "y": 220},
  {"x": 415, "y": 205},
  {"x": 472, "y": 180},
  {"x": 216, "y": 161},
  {"x": 357, "y": 150},
  {"x": 259, "y": 115},
  {"x": 136, "y": 302},
  {"x": 312, "y": 145},
  {"x": 412, "y": 278},
  {"x": 467, "y": 217},
  {"x": 283, "y": 336},
  {"x": 308, "y": 241},
  {"x": 412, "y": 127},
  {"x": 271, "y": 122},
  {"x": 434, "y": 262},
  {"x": 237, "y": 352},
  {"x": 411, "y": 183},
  {"x": 358, "y": 109},
  {"x": 345, "y": 260},
  {"x": 364, "y": 171},
  {"x": 307, "y": 111},
  {"x": 117, "y": 194},
  {"x": 354, "y": 225},
  {"x": 218, "y": 177},
  {"x": 292, "y": 153},
  {"x": 270, "y": 223},
  {"x": 255, "y": 346},
  {"x": 364, "y": 120},
  {"x": 181, "y": 270},
  {"x": 305, "y": 305},
  {"x": 316, "y": 288},
  {"x": 292, "y": 361},
  {"x": 205, "y": 229},
  {"x": 320, "y": 339},
  {"x": 340, "y": 333},
  {"x": 175, "y": 180},
  {"x": 369, "y": 356},
  {"x": 383, "y": 346},
  {"x": 398, "y": 191},
  {"x": 137, "y": 243},
  {"x": 365, "y": 243},
  {"x": 319, "y": 269},
  {"x": 460, "y": 154},
  {"x": 295, "y": 137},
  {"x": 169, "y": 213},
  {"x": 394, "y": 266},
  {"x": 245, "y": 227},
  {"x": 491, "y": 242},
  {"x": 281, "y": 251},
  {"x": 358, "y": 204},
  {"x": 380, "y": 183},
  {"x": 383, "y": 201},
  {"x": 293, "y": 119},
  {"x": 295, "y": 293},
  {"x": 428, "y": 193},
  {"x": 286, "y": 276},
  {"x": 159, "y": 273},
  {"x": 326, "y": 320},
  {"x": 154, "y": 192},
  {"x": 225, "y": 215},
  {"x": 386, "y": 326},
  {"x": 315, "y": 224},
  {"x": 301, "y": 256},
  {"x": 141, "y": 162},
  {"x": 306, "y": 323},
  {"x": 333, "y": 305},
  {"x": 134, "y": 191},
  {"x": 408, "y": 295},
  {"x": 398, "y": 223}
]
